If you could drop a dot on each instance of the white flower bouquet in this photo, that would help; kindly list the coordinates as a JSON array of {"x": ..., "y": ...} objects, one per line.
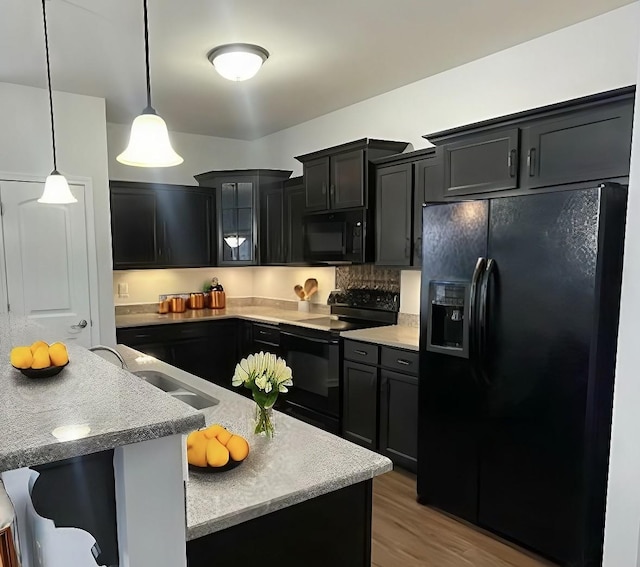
[{"x": 266, "y": 375}]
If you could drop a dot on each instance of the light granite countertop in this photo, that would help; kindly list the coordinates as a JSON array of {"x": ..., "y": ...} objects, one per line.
[
  {"x": 300, "y": 463},
  {"x": 256, "y": 313},
  {"x": 104, "y": 406},
  {"x": 396, "y": 336},
  {"x": 399, "y": 336}
]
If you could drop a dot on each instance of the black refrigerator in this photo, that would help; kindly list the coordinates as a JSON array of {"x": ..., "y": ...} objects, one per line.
[{"x": 519, "y": 318}]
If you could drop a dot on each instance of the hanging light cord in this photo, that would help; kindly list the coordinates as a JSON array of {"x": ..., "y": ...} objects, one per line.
[
  {"x": 46, "y": 47},
  {"x": 149, "y": 109}
]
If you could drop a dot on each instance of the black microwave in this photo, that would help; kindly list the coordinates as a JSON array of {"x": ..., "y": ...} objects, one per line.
[{"x": 337, "y": 237}]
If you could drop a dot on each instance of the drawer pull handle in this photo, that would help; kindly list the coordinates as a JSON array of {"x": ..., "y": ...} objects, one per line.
[
  {"x": 142, "y": 336},
  {"x": 404, "y": 362},
  {"x": 361, "y": 352}
]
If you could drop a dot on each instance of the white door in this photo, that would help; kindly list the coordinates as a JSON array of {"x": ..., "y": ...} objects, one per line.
[{"x": 46, "y": 260}]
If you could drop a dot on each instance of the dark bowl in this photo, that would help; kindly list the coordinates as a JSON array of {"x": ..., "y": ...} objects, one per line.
[
  {"x": 41, "y": 372},
  {"x": 229, "y": 466}
]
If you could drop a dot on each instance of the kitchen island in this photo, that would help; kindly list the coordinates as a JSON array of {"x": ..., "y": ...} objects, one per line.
[
  {"x": 302, "y": 498},
  {"x": 88, "y": 432}
]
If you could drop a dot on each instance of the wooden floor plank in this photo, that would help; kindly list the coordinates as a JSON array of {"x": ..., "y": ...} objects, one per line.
[{"x": 407, "y": 534}]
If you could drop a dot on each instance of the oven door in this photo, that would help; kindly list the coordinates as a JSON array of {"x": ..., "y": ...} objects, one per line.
[{"x": 314, "y": 359}]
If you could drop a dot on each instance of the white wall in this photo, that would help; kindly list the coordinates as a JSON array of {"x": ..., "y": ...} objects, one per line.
[
  {"x": 25, "y": 148},
  {"x": 623, "y": 498},
  {"x": 200, "y": 153},
  {"x": 146, "y": 285},
  {"x": 592, "y": 56},
  {"x": 271, "y": 282}
]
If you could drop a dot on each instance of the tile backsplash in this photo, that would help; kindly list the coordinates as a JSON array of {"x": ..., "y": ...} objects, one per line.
[{"x": 368, "y": 276}]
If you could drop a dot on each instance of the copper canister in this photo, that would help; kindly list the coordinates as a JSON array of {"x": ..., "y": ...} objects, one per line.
[
  {"x": 178, "y": 304},
  {"x": 217, "y": 299},
  {"x": 164, "y": 306},
  {"x": 196, "y": 301}
]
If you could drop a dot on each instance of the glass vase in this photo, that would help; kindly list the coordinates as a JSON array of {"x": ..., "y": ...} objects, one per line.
[{"x": 263, "y": 422}]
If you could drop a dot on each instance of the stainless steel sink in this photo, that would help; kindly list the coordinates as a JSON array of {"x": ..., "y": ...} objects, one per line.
[
  {"x": 166, "y": 383},
  {"x": 197, "y": 401},
  {"x": 159, "y": 380}
]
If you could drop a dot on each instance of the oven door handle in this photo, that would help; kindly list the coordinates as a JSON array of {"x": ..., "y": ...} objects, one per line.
[{"x": 311, "y": 339}]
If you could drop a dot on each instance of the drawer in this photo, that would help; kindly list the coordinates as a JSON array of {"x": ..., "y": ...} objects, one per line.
[
  {"x": 189, "y": 330},
  {"x": 266, "y": 334},
  {"x": 402, "y": 360},
  {"x": 139, "y": 335},
  {"x": 361, "y": 352}
]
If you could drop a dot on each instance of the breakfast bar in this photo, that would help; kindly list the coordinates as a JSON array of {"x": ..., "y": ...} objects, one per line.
[{"x": 305, "y": 483}]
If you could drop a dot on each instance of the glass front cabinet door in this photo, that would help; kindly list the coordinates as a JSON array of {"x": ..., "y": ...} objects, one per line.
[{"x": 236, "y": 244}]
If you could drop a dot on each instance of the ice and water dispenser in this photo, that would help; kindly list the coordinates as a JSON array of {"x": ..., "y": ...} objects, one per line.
[{"x": 448, "y": 325}]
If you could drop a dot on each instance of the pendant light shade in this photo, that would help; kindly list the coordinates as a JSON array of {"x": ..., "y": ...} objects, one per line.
[
  {"x": 149, "y": 144},
  {"x": 238, "y": 61},
  {"x": 56, "y": 189}
]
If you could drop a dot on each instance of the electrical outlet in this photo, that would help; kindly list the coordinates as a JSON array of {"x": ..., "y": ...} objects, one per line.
[{"x": 123, "y": 290}]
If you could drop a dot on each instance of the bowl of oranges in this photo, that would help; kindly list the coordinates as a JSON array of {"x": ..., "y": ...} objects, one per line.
[{"x": 40, "y": 360}]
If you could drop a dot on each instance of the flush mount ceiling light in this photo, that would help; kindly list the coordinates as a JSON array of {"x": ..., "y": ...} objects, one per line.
[
  {"x": 237, "y": 61},
  {"x": 56, "y": 189},
  {"x": 149, "y": 144}
]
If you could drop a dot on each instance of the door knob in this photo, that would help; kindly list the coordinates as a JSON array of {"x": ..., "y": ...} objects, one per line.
[{"x": 81, "y": 325}]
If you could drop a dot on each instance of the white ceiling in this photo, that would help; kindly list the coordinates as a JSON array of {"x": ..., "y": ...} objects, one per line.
[{"x": 325, "y": 54}]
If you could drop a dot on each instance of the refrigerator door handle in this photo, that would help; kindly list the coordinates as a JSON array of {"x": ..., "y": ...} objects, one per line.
[
  {"x": 473, "y": 315},
  {"x": 483, "y": 318}
]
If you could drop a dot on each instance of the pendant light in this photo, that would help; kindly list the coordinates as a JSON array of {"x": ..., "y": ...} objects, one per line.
[
  {"x": 149, "y": 144},
  {"x": 56, "y": 189}
]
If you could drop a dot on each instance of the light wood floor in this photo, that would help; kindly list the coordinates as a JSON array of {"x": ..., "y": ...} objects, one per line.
[{"x": 407, "y": 534}]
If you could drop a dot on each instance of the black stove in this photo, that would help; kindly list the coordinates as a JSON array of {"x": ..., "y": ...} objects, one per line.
[
  {"x": 314, "y": 354},
  {"x": 337, "y": 325}
]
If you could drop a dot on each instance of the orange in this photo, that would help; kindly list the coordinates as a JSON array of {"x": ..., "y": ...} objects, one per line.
[
  {"x": 21, "y": 357},
  {"x": 58, "y": 354},
  {"x": 238, "y": 448},
  {"x": 217, "y": 454},
  {"x": 35, "y": 346},
  {"x": 41, "y": 358}
]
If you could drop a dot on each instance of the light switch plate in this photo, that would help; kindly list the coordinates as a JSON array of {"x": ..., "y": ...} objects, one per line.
[{"x": 123, "y": 290}]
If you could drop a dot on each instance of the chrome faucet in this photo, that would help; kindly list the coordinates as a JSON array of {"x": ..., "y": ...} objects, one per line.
[{"x": 112, "y": 351}]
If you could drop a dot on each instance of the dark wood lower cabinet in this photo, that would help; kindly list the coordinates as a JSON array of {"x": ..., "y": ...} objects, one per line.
[
  {"x": 208, "y": 349},
  {"x": 333, "y": 529},
  {"x": 360, "y": 404},
  {"x": 380, "y": 401},
  {"x": 399, "y": 418}
]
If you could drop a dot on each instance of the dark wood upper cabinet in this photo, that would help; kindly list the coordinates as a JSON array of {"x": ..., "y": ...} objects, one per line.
[
  {"x": 238, "y": 212},
  {"x": 187, "y": 227},
  {"x": 428, "y": 183},
  {"x": 339, "y": 177},
  {"x": 575, "y": 141},
  {"x": 403, "y": 183},
  {"x": 589, "y": 145},
  {"x": 134, "y": 229},
  {"x": 394, "y": 196},
  {"x": 482, "y": 163},
  {"x": 294, "y": 210},
  {"x": 272, "y": 225},
  {"x": 316, "y": 180},
  {"x": 156, "y": 226},
  {"x": 346, "y": 188}
]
